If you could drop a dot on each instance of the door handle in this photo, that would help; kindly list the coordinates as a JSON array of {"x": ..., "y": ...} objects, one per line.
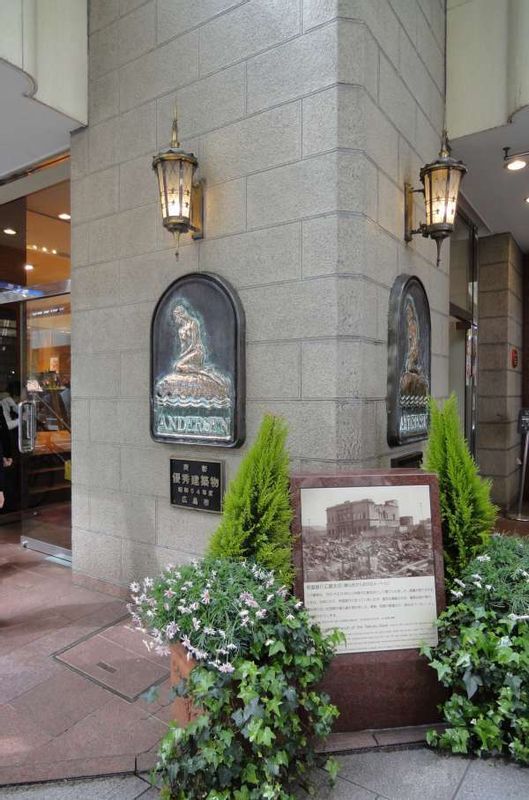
[{"x": 27, "y": 426}]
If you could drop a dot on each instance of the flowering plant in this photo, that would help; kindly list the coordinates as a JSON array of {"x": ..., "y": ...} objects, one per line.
[
  {"x": 483, "y": 655},
  {"x": 259, "y": 658}
]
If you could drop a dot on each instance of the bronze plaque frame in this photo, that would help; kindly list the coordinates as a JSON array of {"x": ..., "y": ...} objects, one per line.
[
  {"x": 199, "y": 398},
  {"x": 388, "y": 688},
  {"x": 409, "y": 361}
]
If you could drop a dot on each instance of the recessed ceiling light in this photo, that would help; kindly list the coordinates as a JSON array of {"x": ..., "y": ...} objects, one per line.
[
  {"x": 33, "y": 247},
  {"x": 64, "y": 216},
  {"x": 517, "y": 164},
  {"x": 54, "y": 252},
  {"x": 514, "y": 161},
  {"x": 44, "y": 249},
  {"x": 29, "y": 267},
  {"x": 527, "y": 199},
  {"x": 10, "y": 231}
]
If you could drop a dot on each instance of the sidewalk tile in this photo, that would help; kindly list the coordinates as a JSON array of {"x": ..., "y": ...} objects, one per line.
[
  {"x": 413, "y": 775},
  {"x": 61, "y": 701},
  {"x": 126, "y": 787},
  {"x": 495, "y": 780}
]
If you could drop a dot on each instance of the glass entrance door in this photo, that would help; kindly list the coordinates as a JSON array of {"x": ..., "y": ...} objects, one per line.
[
  {"x": 35, "y": 367},
  {"x": 44, "y": 433}
]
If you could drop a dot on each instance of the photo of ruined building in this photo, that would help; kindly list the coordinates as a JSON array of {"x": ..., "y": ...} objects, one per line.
[{"x": 368, "y": 538}]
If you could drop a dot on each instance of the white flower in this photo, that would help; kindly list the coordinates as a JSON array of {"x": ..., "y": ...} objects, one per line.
[
  {"x": 186, "y": 642},
  {"x": 171, "y": 630},
  {"x": 196, "y": 623},
  {"x": 231, "y": 646},
  {"x": 148, "y": 583},
  {"x": 209, "y": 631},
  {"x": 483, "y": 558},
  {"x": 169, "y": 593},
  {"x": 261, "y": 614},
  {"x": 148, "y": 645},
  {"x": 473, "y": 721},
  {"x": 460, "y": 583},
  {"x": 289, "y": 616},
  {"x": 193, "y": 606},
  {"x": 478, "y": 584},
  {"x": 488, "y": 586},
  {"x": 269, "y": 642},
  {"x": 206, "y": 597},
  {"x": 298, "y": 605},
  {"x": 135, "y": 587},
  {"x": 221, "y": 633},
  {"x": 269, "y": 597},
  {"x": 162, "y": 650},
  {"x": 456, "y": 593},
  {"x": 227, "y": 667},
  {"x": 476, "y": 576},
  {"x": 248, "y": 600},
  {"x": 149, "y": 613}
]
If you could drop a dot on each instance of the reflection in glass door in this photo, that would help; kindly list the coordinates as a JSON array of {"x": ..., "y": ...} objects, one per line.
[
  {"x": 463, "y": 330},
  {"x": 45, "y": 425}
]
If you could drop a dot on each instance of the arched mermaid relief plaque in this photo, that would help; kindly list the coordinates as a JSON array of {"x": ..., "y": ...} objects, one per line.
[
  {"x": 409, "y": 361},
  {"x": 197, "y": 363}
]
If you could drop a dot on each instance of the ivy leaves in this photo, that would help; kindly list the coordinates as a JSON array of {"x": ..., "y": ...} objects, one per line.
[
  {"x": 255, "y": 737},
  {"x": 483, "y": 658}
]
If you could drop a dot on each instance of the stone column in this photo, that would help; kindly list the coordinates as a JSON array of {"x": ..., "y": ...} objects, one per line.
[{"x": 499, "y": 380}]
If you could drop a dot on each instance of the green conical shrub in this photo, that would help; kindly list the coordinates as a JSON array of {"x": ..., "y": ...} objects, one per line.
[
  {"x": 257, "y": 511},
  {"x": 467, "y": 512}
]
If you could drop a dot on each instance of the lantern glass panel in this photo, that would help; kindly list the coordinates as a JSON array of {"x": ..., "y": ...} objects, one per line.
[
  {"x": 175, "y": 180},
  {"x": 441, "y": 189}
]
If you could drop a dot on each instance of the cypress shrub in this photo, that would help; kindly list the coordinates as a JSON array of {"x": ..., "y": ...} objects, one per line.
[
  {"x": 467, "y": 512},
  {"x": 257, "y": 510}
]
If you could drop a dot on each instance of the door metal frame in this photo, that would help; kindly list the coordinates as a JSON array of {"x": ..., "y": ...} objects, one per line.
[{"x": 22, "y": 295}]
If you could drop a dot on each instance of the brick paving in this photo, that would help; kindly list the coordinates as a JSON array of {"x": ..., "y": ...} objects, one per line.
[{"x": 58, "y": 719}]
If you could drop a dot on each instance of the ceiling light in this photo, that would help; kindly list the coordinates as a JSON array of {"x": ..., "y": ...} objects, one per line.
[
  {"x": 44, "y": 249},
  {"x": 10, "y": 231},
  {"x": 54, "y": 252},
  {"x": 515, "y": 161},
  {"x": 33, "y": 247},
  {"x": 527, "y": 199},
  {"x": 29, "y": 267},
  {"x": 65, "y": 216}
]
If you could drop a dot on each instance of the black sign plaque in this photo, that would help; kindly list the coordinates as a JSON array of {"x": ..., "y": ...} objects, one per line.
[
  {"x": 197, "y": 363},
  {"x": 409, "y": 361},
  {"x": 198, "y": 485}
]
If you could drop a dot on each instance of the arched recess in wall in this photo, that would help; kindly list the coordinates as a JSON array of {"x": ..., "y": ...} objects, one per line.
[
  {"x": 409, "y": 361},
  {"x": 197, "y": 382}
]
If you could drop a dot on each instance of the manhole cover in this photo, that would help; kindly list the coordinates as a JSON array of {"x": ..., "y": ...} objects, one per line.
[{"x": 112, "y": 658}]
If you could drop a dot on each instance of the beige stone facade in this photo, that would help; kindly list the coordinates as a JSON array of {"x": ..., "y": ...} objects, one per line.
[{"x": 307, "y": 118}]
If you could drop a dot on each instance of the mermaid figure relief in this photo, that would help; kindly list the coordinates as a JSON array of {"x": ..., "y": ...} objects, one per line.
[
  {"x": 194, "y": 381},
  {"x": 413, "y": 382}
]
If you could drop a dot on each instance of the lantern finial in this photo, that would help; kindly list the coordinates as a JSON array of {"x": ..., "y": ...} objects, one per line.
[
  {"x": 445, "y": 146},
  {"x": 174, "y": 133}
]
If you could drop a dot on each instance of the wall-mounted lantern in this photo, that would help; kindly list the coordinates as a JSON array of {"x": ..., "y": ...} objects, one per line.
[
  {"x": 181, "y": 197},
  {"x": 441, "y": 181}
]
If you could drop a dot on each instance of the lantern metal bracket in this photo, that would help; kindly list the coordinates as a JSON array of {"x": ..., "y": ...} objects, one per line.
[
  {"x": 409, "y": 230},
  {"x": 197, "y": 210}
]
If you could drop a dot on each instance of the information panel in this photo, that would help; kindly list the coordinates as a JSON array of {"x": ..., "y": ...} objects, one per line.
[{"x": 368, "y": 566}]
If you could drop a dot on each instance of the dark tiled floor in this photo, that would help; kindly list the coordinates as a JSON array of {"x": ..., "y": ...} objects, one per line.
[{"x": 54, "y": 721}]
